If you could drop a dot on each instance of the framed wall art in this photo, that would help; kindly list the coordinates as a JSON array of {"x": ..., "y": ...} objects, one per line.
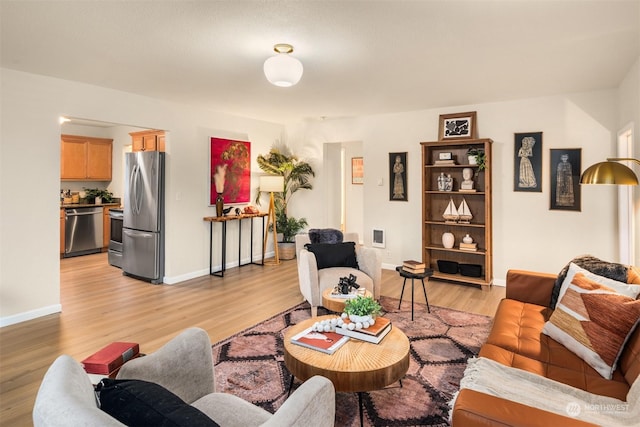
[
  {"x": 527, "y": 162},
  {"x": 357, "y": 170},
  {"x": 457, "y": 126},
  {"x": 398, "y": 177},
  {"x": 229, "y": 170},
  {"x": 565, "y": 179}
]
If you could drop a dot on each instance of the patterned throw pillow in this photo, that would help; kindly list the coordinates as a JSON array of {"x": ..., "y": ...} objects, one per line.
[{"x": 594, "y": 321}]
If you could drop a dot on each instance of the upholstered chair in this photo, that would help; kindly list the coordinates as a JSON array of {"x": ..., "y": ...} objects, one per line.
[
  {"x": 184, "y": 366},
  {"x": 314, "y": 280}
]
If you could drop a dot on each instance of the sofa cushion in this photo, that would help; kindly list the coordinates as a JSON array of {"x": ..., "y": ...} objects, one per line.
[
  {"x": 325, "y": 235},
  {"x": 628, "y": 289},
  {"x": 610, "y": 270},
  {"x": 334, "y": 255},
  {"x": 594, "y": 321},
  {"x": 142, "y": 403}
]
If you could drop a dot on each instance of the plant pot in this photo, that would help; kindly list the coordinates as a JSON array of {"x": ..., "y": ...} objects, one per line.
[
  {"x": 473, "y": 160},
  {"x": 286, "y": 250}
]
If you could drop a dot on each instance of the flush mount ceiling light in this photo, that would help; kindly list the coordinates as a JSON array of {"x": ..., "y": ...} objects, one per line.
[{"x": 283, "y": 70}]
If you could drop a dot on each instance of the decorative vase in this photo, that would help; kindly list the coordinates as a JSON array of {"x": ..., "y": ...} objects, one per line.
[
  {"x": 219, "y": 204},
  {"x": 467, "y": 239},
  {"x": 448, "y": 240}
]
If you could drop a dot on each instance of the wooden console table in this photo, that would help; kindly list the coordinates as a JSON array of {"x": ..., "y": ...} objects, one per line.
[{"x": 223, "y": 220}]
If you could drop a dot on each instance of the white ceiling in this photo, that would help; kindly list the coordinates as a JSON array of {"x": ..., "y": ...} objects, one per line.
[{"x": 360, "y": 57}]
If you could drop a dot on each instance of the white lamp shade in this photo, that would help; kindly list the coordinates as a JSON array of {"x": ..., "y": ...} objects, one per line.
[
  {"x": 283, "y": 70},
  {"x": 272, "y": 183}
]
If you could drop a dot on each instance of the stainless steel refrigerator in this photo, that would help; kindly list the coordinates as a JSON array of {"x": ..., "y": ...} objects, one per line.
[{"x": 143, "y": 223}]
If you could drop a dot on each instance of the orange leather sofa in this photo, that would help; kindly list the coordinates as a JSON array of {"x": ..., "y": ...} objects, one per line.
[{"x": 516, "y": 340}]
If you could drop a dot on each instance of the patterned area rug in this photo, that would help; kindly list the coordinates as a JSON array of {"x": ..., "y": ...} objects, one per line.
[{"x": 251, "y": 365}]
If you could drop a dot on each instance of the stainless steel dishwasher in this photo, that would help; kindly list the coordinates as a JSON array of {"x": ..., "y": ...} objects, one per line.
[{"x": 82, "y": 231}]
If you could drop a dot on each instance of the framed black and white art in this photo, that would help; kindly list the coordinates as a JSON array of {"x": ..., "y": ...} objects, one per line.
[
  {"x": 565, "y": 179},
  {"x": 398, "y": 177},
  {"x": 527, "y": 162}
]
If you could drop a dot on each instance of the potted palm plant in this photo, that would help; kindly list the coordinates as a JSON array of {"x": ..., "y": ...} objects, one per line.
[{"x": 296, "y": 174}]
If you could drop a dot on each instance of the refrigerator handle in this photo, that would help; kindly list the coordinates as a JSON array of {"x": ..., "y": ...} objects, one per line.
[
  {"x": 136, "y": 234},
  {"x": 136, "y": 190}
]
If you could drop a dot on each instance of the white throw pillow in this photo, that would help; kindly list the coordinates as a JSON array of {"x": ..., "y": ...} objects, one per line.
[{"x": 622, "y": 288}]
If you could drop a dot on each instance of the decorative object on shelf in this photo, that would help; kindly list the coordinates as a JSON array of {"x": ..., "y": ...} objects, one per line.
[
  {"x": 219, "y": 205},
  {"x": 464, "y": 212},
  {"x": 467, "y": 180},
  {"x": 448, "y": 240},
  {"x": 450, "y": 214},
  {"x": 346, "y": 284},
  {"x": 357, "y": 170},
  {"x": 565, "y": 179},
  {"x": 238, "y": 211},
  {"x": 225, "y": 211},
  {"x": 477, "y": 157},
  {"x": 467, "y": 239},
  {"x": 229, "y": 170},
  {"x": 527, "y": 162},
  {"x": 457, "y": 126},
  {"x": 398, "y": 177},
  {"x": 445, "y": 182},
  {"x": 272, "y": 184},
  {"x": 283, "y": 69},
  {"x": 468, "y": 244}
]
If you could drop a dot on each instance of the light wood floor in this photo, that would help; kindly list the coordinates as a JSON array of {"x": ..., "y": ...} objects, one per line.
[{"x": 100, "y": 306}]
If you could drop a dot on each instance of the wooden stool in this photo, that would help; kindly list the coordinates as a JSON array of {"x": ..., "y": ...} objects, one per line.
[{"x": 407, "y": 275}]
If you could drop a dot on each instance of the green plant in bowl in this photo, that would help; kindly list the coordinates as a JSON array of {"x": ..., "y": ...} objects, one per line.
[{"x": 362, "y": 306}]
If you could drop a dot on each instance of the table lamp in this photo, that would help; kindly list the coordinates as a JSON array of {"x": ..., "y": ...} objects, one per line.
[{"x": 272, "y": 184}]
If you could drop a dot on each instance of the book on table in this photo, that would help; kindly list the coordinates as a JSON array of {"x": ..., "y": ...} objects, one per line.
[
  {"x": 414, "y": 270},
  {"x": 361, "y": 291},
  {"x": 415, "y": 265},
  {"x": 373, "y": 334},
  {"x": 326, "y": 342},
  {"x": 108, "y": 359}
]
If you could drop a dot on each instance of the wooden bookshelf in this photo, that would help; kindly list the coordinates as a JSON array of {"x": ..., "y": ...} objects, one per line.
[{"x": 434, "y": 203}]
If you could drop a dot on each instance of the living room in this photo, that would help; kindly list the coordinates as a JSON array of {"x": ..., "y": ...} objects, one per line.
[{"x": 527, "y": 234}]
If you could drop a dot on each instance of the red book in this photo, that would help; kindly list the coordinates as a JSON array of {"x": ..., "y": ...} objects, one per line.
[
  {"x": 326, "y": 342},
  {"x": 110, "y": 357}
]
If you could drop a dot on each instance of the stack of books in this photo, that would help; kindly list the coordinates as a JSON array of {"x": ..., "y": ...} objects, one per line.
[
  {"x": 108, "y": 360},
  {"x": 469, "y": 247},
  {"x": 444, "y": 162},
  {"x": 326, "y": 342},
  {"x": 373, "y": 334},
  {"x": 414, "y": 267}
]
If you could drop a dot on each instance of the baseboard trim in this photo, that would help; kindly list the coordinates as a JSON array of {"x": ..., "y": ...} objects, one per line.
[
  {"x": 172, "y": 280},
  {"x": 30, "y": 315}
]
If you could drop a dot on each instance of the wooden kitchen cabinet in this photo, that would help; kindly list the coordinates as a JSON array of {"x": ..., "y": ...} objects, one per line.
[
  {"x": 148, "y": 140},
  {"x": 85, "y": 158}
]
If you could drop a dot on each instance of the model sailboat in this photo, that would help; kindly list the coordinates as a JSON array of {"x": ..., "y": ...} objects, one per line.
[
  {"x": 450, "y": 214},
  {"x": 464, "y": 212}
]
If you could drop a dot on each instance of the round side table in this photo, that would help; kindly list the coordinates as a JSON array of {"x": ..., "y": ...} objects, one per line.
[{"x": 408, "y": 275}]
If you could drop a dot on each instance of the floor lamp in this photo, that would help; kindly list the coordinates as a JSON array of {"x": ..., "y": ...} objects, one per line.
[
  {"x": 272, "y": 184},
  {"x": 610, "y": 172}
]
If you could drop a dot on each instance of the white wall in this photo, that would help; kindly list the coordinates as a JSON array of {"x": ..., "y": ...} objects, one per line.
[
  {"x": 527, "y": 234},
  {"x": 629, "y": 112},
  {"x": 30, "y": 179}
]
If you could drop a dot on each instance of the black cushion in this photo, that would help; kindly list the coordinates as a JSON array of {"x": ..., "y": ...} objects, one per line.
[
  {"x": 325, "y": 235},
  {"x": 142, "y": 403},
  {"x": 610, "y": 270},
  {"x": 334, "y": 254}
]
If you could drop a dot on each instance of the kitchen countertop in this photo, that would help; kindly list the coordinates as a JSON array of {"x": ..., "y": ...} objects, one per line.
[{"x": 88, "y": 205}]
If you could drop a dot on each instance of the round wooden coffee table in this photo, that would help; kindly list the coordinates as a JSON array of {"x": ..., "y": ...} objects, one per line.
[
  {"x": 357, "y": 366},
  {"x": 337, "y": 304}
]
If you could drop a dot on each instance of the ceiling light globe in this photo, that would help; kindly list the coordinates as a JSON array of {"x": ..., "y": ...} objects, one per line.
[{"x": 283, "y": 70}]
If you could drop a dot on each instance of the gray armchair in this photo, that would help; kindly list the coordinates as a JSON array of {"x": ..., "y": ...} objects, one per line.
[
  {"x": 185, "y": 367},
  {"x": 314, "y": 281}
]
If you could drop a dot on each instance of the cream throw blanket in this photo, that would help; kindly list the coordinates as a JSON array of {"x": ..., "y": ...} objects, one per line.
[{"x": 489, "y": 377}]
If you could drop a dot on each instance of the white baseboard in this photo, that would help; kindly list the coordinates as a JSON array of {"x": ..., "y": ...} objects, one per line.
[
  {"x": 29, "y": 315},
  {"x": 172, "y": 280}
]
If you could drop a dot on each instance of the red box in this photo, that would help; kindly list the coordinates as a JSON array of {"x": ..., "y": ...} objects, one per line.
[{"x": 110, "y": 358}]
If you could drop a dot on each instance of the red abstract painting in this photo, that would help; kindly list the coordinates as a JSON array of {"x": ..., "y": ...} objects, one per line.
[{"x": 230, "y": 170}]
